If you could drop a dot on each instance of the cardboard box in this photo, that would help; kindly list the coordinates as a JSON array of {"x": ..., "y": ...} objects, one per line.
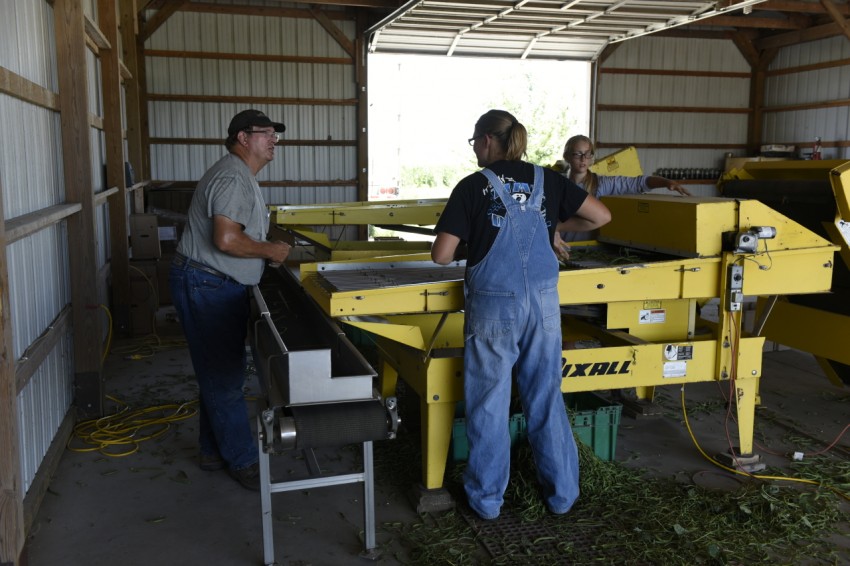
[{"x": 144, "y": 236}]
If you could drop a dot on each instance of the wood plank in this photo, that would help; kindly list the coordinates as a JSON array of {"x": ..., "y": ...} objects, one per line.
[
  {"x": 810, "y": 106},
  {"x": 101, "y": 197},
  {"x": 160, "y": 17},
  {"x": 164, "y": 184},
  {"x": 115, "y": 172},
  {"x": 246, "y": 57},
  {"x": 37, "y": 352},
  {"x": 334, "y": 31},
  {"x": 138, "y": 186},
  {"x": 619, "y": 145},
  {"x": 361, "y": 78},
  {"x": 26, "y": 224},
  {"x": 800, "y": 36},
  {"x": 69, "y": 23},
  {"x": 810, "y": 67},
  {"x": 799, "y": 6},
  {"x": 283, "y": 142},
  {"x": 12, "y": 527},
  {"x": 125, "y": 72},
  {"x": 134, "y": 103},
  {"x": 837, "y": 16},
  {"x": 266, "y": 12},
  {"x": 254, "y": 100},
  {"x": 93, "y": 32},
  {"x": 17, "y": 86},
  {"x": 750, "y": 21},
  {"x": 694, "y": 109},
  {"x": 673, "y": 73}
]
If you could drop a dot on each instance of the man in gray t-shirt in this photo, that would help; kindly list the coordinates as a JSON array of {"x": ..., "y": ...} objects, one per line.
[{"x": 223, "y": 250}]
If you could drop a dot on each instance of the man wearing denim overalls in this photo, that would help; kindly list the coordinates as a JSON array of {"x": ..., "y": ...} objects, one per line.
[{"x": 507, "y": 214}]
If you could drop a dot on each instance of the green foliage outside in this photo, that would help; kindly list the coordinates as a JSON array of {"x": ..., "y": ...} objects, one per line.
[{"x": 545, "y": 114}]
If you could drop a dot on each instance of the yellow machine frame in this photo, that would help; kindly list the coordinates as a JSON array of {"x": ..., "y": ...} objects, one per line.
[{"x": 419, "y": 328}]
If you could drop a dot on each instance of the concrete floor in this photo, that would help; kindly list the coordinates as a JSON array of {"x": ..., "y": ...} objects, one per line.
[{"x": 155, "y": 507}]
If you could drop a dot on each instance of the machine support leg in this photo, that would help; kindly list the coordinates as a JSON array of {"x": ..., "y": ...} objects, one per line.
[
  {"x": 265, "y": 498},
  {"x": 437, "y": 421},
  {"x": 369, "y": 502},
  {"x": 745, "y": 401}
]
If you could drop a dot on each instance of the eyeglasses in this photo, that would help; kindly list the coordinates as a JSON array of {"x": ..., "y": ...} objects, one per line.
[
  {"x": 580, "y": 155},
  {"x": 473, "y": 138},
  {"x": 274, "y": 135}
]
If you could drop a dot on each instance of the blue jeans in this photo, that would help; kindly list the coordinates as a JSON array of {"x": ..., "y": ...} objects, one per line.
[
  {"x": 533, "y": 351},
  {"x": 214, "y": 314}
]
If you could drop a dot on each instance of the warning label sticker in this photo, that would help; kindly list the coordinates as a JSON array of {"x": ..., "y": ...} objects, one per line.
[
  {"x": 679, "y": 352},
  {"x": 652, "y": 316},
  {"x": 675, "y": 369}
]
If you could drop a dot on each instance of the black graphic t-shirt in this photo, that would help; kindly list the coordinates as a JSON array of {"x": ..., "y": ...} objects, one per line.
[{"x": 474, "y": 212}]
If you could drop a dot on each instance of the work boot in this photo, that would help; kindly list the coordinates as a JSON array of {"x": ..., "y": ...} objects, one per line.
[
  {"x": 211, "y": 462},
  {"x": 248, "y": 477}
]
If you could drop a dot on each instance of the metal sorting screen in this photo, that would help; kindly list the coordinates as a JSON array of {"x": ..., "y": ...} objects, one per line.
[
  {"x": 605, "y": 255},
  {"x": 356, "y": 279}
]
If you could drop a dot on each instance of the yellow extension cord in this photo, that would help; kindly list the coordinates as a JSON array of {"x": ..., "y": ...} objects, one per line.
[
  {"x": 120, "y": 434},
  {"x": 747, "y": 474}
]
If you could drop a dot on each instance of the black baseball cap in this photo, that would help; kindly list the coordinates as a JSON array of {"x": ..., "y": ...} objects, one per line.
[{"x": 247, "y": 119}]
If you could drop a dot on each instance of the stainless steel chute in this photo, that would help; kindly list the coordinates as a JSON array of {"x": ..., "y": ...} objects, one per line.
[{"x": 318, "y": 392}]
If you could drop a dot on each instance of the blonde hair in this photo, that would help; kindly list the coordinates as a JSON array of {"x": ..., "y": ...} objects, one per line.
[
  {"x": 512, "y": 135},
  {"x": 591, "y": 182}
]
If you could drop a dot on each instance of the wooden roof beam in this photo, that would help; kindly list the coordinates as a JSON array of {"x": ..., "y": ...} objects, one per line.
[
  {"x": 837, "y": 16},
  {"x": 161, "y": 17}
]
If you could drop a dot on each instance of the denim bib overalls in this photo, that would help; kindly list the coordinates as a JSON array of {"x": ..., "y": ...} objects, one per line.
[{"x": 513, "y": 321}]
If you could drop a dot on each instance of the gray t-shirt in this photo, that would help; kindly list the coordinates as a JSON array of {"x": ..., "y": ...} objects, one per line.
[{"x": 228, "y": 189}]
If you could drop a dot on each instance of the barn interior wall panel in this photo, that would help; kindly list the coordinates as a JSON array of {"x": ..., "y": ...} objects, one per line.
[
  {"x": 31, "y": 179},
  {"x": 681, "y": 102},
  {"x": 807, "y": 95},
  {"x": 315, "y": 99}
]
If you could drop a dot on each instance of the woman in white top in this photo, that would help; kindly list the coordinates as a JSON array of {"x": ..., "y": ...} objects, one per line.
[{"x": 578, "y": 154}]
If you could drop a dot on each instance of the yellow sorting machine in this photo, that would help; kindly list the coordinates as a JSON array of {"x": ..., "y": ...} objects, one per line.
[
  {"x": 814, "y": 194},
  {"x": 640, "y": 285},
  {"x": 321, "y": 227}
]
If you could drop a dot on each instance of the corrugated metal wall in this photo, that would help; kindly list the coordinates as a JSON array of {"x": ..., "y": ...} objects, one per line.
[
  {"x": 792, "y": 82},
  {"x": 268, "y": 35},
  {"x": 31, "y": 179},
  {"x": 676, "y": 83}
]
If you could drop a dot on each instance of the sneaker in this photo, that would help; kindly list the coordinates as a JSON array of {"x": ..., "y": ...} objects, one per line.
[
  {"x": 249, "y": 477},
  {"x": 211, "y": 462}
]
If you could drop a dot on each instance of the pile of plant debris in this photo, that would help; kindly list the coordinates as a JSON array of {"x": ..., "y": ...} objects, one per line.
[{"x": 624, "y": 516}]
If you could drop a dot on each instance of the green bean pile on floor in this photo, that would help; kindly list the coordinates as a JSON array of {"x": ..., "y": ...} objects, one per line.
[{"x": 630, "y": 518}]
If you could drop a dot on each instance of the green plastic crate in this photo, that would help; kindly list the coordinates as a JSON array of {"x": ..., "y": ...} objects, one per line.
[
  {"x": 459, "y": 447},
  {"x": 595, "y": 421}
]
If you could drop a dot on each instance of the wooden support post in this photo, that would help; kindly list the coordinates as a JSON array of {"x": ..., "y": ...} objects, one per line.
[
  {"x": 133, "y": 98},
  {"x": 11, "y": 496},
  {"x": 115, "y": 177},
  {"x": 69, "y": 21}
]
